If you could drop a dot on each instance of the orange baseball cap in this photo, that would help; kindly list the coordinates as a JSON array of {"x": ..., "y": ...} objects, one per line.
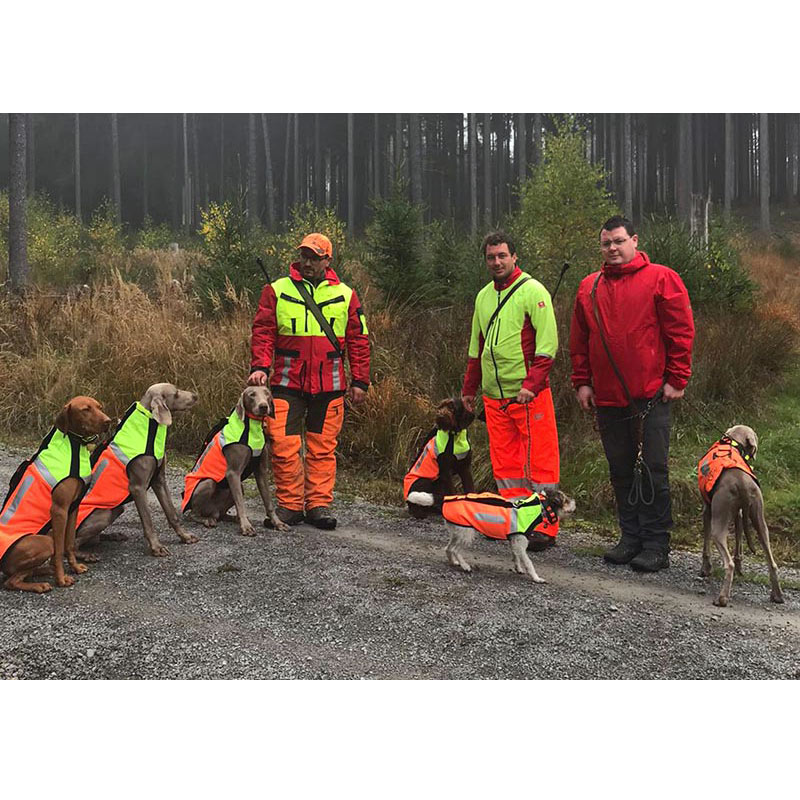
[{"x": 319, "y": 243}]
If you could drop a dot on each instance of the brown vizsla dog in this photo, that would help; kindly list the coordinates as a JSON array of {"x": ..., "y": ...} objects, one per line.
[
  {"x": 81, "y": 419},
  {"x": 737, "y": 500},
  {"x": 137, "y": 471},
  {"x": 210, "y": 497}
]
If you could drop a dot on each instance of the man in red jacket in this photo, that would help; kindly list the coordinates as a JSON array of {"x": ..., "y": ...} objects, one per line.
[
  {"x": 305, "y": 325},
  {"x": 648, "y": 329}
]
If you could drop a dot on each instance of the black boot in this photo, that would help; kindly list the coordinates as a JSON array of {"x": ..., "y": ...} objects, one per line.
[
  {"x": 650, "y": 561},
  {"x": 539, "y": 541},
  {"x": 623, "y": 551}
]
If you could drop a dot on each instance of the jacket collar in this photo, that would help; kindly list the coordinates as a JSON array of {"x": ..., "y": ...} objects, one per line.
[
  {"x": 330, "y": 275},
  {"x": 616, "y": 270},
  {"x": 508, "y": 281}
]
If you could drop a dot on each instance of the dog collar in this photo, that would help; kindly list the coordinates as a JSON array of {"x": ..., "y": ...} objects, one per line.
[{"x": 253, "y": 416}]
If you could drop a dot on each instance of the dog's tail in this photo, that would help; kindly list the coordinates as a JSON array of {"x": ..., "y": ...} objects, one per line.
[{"x": 420, "y": 498}]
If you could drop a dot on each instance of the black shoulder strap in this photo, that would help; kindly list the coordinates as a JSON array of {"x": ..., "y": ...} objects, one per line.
[
  {"x": 502, "y": 303},
  {"x": 323, "y": 323}
]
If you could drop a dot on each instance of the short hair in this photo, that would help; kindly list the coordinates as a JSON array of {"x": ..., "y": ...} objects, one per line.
[
  {"x": 498, "y": 237},
  {"x": 618, "y": 222}
]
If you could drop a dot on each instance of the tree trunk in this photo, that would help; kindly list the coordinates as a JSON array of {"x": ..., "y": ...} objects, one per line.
[
  {"x": 319, "y": 178},
  {"x": 17, "y": 223},
  {"x": 252, "y": 182},
  {"x": 145, "y": 180},
  {"x": 627, "y": 164},
  {"x": 487, "y": 170},
  {"x": 398, "y": 146},
  {"x": 415, "y": 157},
  {"x": 729, "y": 166},
  {"x": 473, "y": 175},
  {"x": 221, "y": 194},
  {"x": 296, "y": 196},
  {"x": 376, "y": 155},
  {"x": 351, "y": 198},
  {"x": 683, "y": 188},
  {"x": 30, "y": 147},
  {"x": 522, "y": 164},
  {"x": 285, "y": 187},
  {"x": 763, "y": 159},
  {"x": 269, "y": 183},
  {"x": 78, "y": 213},
  {"x": 537, "y": 138},
  {"x": 195, "y": 173},
  {"x": 187, "y": 190},
  {"x": 115, "y": 177}
]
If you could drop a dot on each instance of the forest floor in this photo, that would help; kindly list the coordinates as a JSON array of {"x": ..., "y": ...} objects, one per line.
[{"x": 375, "y": 598}]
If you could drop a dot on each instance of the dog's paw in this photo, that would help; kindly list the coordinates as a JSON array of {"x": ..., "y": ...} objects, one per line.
[
  {"x": 776, "y": 597},
  {"x": 40, "y": 588},
  {"x": 280, "y": 525},
  {"x": 79, "y": 569},
  {"x": 159, "y": 551},
  {"x": 114, "y": 536},
  {"x": 88, "y": 558},
  {"x": 247, "y": 529},
  {"x": 721, "y": 601},
  {"x": 190, "y": 538},
  {"x": 537, "y": 579},
  {"x": 64, "y": 581},
  {"x": 209, "y": 522}
]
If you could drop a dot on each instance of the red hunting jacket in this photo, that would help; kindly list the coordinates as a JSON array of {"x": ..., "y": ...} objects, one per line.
[
  {"x": 648, "y": 325},
  {"x": 287, "y": 337}
]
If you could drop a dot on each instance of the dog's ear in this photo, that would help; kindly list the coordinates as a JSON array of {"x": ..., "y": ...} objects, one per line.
[
  {"x": 240, "y": 407},
  {"x": 160, "y": 410},
  {"x": 751, "y": 442},
  {"x": 63, "y": 418}
]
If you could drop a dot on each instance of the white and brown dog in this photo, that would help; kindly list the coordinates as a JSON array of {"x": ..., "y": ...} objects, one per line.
[
  {"x": 732, "y": 496},
  {"x": 498, "y": 518}
]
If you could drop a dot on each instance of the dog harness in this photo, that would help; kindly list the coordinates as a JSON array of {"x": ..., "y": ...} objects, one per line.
[
  {"x": 26, "y": 510},
  {"x": 211, "y": 462},
  {"x": 494, "y": 516},
  {"x": 138, "y": 434},
  {"x": 725, "y": 454},
  {"x": 427, "y": 463}
]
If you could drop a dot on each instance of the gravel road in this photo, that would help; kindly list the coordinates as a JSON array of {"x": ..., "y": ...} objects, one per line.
[{"x": 376, "y": 599}]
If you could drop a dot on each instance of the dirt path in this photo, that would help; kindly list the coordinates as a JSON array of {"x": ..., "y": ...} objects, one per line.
[{"x": 375, "y": 598}]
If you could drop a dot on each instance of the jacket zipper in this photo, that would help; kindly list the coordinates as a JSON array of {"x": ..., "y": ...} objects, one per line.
[{"x": 491, "y": 349}]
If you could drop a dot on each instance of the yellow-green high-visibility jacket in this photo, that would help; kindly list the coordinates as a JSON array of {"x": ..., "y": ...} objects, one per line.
[{"x": 518, "y": 349}]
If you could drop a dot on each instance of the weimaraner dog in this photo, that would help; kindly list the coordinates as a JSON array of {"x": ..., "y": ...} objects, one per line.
[
  {"x": 143, "y": 470},
  {"x": 737, "y": 499},
  {"x": 212, "y": 498}
]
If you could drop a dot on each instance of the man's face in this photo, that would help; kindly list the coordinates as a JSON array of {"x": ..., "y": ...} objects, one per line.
[
  {"x": 617, "y": 247},
  {"x": 499, "y": 261},
  {"x": 312, "y": 266}
]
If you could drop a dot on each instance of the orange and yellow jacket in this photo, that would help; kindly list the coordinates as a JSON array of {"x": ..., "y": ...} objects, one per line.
[
  {"x": 26, "y": 510},
  {"x": 724, "y": 454},
  {"x": 211, "y": 462},
  {"x": 138, "y": 434},
  {"x": 495, "y": 516},
  {"x": 288, "y": 338}
]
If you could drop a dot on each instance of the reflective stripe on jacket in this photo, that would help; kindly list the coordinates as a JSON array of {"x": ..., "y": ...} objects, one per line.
[
  {"x": 724, "y": 454},
  {"x": 288, "y": 338},
  {"x": 211, "y": 462},
  {"x": 26, "y": 510},
  {"x": 493, "y": 515},
  {"x": 138, "y": 434},
  {"x": 522, "y": 334},
  {"x": 427, "y": 464}
]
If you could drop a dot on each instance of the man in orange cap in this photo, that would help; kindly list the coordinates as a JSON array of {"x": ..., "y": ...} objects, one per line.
[{"x": 305, "y": 324}]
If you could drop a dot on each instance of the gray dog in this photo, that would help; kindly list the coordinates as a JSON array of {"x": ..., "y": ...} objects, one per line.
[{"x": 736, "y": 499}]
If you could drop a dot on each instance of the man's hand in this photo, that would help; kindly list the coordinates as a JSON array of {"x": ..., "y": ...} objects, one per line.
[
  {"x": 671, "y": 393},
  {"x": 469, "y": 402},
  {"x": 257, "y": 378},
  {"x": 356, "y": 395},
  {"x": 525, "y": 396},
  {"x": 586, "y": 397}
]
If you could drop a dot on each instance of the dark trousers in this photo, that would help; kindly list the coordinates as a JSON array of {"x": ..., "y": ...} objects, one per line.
[{"x": 639, "y": 521}]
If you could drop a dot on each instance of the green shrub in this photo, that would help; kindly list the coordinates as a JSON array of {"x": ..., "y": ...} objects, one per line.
[
  {"x": 713, "y": 273},
  {"x": 562, "y": 206}
]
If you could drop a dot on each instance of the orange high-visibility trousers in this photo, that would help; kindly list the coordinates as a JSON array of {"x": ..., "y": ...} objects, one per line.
[
  {"x": 300, "y": 486},
  {"x": 523, "y": 448}
]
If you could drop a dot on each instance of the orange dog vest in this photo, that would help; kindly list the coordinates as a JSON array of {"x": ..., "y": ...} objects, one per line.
[
  {"x": 724, "y": 454},
  {"x": 495, "y": 516}
]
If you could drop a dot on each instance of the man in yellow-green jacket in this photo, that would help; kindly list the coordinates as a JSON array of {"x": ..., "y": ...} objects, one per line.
[{"x": 513, "y": 344}]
